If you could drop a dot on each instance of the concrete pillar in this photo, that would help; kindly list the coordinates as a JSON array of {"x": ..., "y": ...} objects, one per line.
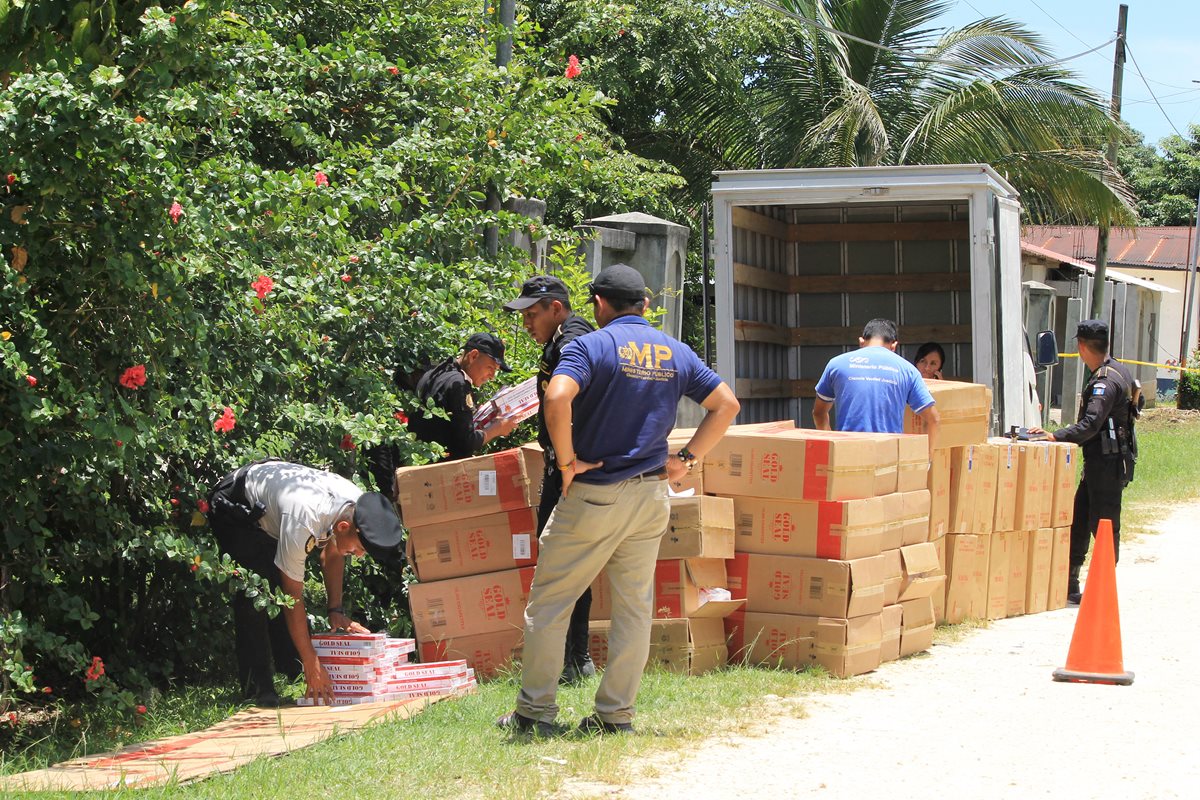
[
  {"x": 536, "y": 210},
  {"x": 654, "y": 247},
  {"x": 1072, "y": 382}
]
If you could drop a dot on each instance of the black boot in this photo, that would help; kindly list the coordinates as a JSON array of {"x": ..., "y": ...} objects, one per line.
[
  {"x": 577, "y": 663},
  {"x": 1074, "y": 596}
]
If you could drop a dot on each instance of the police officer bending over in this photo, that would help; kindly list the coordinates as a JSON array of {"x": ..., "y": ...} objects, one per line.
[
  {"x": 268, "y": 517},
  {"x": 1107, "y": 409},
  {"x": 545, "y": 307}
]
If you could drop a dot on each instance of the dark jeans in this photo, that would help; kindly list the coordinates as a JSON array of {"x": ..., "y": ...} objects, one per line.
[
  {"x": 577, "y": 629},
  {"x": 1098, "y": 497},
  {"x": 256, "y": 635}
]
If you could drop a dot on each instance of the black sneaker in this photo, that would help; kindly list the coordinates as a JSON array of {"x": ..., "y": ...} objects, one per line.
[
  {"x": 1074, "y": 598},
  {"x": 577, "y": 671},
  {"x": 516, "y": 723},
  {"x": 594, "y": 724}
]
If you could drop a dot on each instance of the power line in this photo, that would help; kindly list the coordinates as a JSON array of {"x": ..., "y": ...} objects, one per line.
[
  {"x": 1138, "y": 69},
  {"x": 1055, "y": 21},
  {"x": 918, "y": 56}
]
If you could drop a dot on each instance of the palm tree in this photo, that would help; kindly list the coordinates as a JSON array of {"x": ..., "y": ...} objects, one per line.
[{"x": 989, "y": 92}]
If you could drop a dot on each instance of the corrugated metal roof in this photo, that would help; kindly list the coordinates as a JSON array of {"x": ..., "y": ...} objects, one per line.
[
  {"x": 1112, "y": 274},
  {"x": 1159, "y": 247}
]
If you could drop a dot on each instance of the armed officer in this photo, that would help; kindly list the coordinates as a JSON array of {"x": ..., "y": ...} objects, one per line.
[
  {"x": 545, "y": 307},
  {"x": 1107, "y": 409}
]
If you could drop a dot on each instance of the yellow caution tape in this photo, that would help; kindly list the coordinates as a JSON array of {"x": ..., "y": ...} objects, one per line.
[{"x": 1141, "y": 363}]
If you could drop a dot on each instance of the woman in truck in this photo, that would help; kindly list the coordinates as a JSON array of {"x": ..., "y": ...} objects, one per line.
[{"x": 929, "y": 360}]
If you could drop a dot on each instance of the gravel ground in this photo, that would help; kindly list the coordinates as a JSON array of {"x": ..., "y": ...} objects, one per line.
[{"x": 981, "y": 717}]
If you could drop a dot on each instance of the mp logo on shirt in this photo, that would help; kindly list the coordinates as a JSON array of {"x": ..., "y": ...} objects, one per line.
[{"x": 646, "y": 361}]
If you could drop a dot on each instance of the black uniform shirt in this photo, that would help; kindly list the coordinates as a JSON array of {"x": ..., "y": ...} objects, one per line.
[
  {"x": 1106, "y": 395},
  {"x": 451, "y": 390},
  {"x": 572, "y": 328}
]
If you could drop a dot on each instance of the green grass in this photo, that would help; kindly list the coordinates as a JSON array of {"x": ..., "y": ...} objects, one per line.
[
  {"x": 453, "y": 749},
  {"x": 1168, "y": 469}
]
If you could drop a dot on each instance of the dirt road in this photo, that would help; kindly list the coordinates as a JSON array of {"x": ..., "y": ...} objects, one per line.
[{"x": 981, "y": 718}]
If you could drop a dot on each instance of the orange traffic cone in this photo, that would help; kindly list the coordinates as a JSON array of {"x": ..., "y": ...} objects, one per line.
[{"x": 1095, "y": 654}]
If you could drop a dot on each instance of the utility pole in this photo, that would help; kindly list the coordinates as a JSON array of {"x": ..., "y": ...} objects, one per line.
[
  {"x": 504, "y": 49},
  {"x": 1185, "y": 343},
  {"x": 1102, "y": 233}
]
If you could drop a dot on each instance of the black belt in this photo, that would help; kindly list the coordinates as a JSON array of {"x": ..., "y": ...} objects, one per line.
[{"x": 659, "y": 474}]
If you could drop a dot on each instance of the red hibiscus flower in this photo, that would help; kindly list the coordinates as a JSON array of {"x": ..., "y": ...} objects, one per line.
[
  {"x": 32, "y": 381},
  {"x": 202, "y": 504},
  {"x": 394, "y": 70},
  {"x": 47, "y": 690},
  {"x": 347, "y": 278},
  {"x": 263, "y": 286},
  {"x": 142, "y": 709},
  {"x": 96, "y": 669},
  {"x": 321, "y": 178},
  {"x": 573, "y": 68},
  {"x": 226, "y": 421},
  {"x": 10, "y": 178},
  {"x": 176, "y": 212},
  {"x": 134, "y": 377},
  {"x": 353, "y": 259},
  {"x": 347, "y": 443},
  {"x": 401, "y": 417}
]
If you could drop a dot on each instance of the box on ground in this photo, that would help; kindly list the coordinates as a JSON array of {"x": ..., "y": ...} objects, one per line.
[
  {"x": 845, "y": 647},
  {"x": 920, "y": 571},
  {"x": 486, "y": 653},
  {"x": 475, "y": 545},
  {"x": 1060, "y": 568},
  {"x": 844, "y": 529},
  {"x": 469, "y": 487},
  {"x": 808, "y": 586},
  {"x": 917, "y": 624},
  {"x": 535, "y": 470},
  {"x": 684, "y": 646},
  {"x": 681, "y": 588},
  {"x": 890, "y": 619},
  {"x": 914, "y": 517},
  {"x": 1000, "y": 546},
  {"x": 699, "y": 527},
  {"x": 893, "y": 576},
  {"x": 470, "y": 605},
  {"x": 1018, "y": 566},
  {"x": 1037, "y": 587},
  {"x": 964, "y": 410},
  {"x": 939, "y": 493},
  {"x": 1066, "y": 462},
  {"x": 967, "y": 575}
]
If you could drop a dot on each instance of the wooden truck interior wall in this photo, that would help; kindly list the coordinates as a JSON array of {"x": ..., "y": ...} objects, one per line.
[{"x": 807, "y": 278}]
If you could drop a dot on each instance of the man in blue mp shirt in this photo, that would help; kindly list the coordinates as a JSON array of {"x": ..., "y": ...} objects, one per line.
[
  {"x": 872, "y": 385},
  {"x": 609, "y": 407}
]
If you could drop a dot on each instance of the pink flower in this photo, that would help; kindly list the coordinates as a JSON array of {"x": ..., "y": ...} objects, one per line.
[
  {"x": 394, "y": 70},
  {"x": 176, "y": 212},
  {"x": 347, "y": 443},
  {"x": 32, "y": 381},
  {"x": 573, "y": 68},
  {"x": 226, "y": 421},
  {"x": 321, "y": 178},
  {"x": 263, "y": 286},
  {"x": 347, "y": 278},
  {"x": 134, "y": 377},
  {"x": 202, "y": 504}
]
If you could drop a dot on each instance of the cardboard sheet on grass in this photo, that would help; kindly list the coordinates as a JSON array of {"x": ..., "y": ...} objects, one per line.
[{"x": 247, "y": 735}]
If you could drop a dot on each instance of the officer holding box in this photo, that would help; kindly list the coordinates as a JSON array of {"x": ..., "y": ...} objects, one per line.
[
  {"x": 1107, "y": 409},
  {"x": 269, "y": 516},
  {"x": 545, "y": 307}
]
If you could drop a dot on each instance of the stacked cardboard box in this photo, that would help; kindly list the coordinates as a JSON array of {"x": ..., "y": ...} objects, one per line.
[
  {"x": 832, "y": 529},
  {"x": 472, "y": 540},
  {"x": 369, "y": 667}
]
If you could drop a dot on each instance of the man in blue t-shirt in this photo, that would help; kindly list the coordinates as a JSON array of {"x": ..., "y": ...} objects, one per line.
[
  {"x": 609, "y": 407},
  {"x": 872, "y": 385}
]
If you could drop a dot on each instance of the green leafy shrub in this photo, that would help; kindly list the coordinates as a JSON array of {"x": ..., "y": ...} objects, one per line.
[
  {"x": 221, "y": 234},
  {"x": 1189, "y": 384}
]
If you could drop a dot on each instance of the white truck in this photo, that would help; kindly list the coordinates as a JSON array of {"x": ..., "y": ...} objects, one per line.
[{"x": 805, "y": 257}]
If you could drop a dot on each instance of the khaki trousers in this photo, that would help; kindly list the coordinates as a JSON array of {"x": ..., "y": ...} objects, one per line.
[{"x": 617, "y": 527}]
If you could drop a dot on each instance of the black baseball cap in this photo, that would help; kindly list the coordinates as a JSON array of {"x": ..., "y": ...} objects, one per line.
[
  {"x": 537, "y": 288},
  {"x": 489, "y": 345},
  {"x": 1093, "y": 330},
  {"x": 619, "y": 282},
  {"x": 379, "y": 527}
]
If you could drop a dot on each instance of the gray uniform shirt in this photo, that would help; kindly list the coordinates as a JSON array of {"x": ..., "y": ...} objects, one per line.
[{"x": 302, "y": 504}]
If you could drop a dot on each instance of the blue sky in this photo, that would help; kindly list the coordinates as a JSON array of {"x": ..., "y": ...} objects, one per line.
[{"x": 1163, "y": 35}]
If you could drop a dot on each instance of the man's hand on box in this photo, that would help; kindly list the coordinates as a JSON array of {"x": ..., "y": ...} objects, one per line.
[
  {"x": 318, "y": 683},
  {"x": 341, "y": 622}
]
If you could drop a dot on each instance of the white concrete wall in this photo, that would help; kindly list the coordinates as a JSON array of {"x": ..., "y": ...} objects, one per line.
[{"x": 1170, "y": 325}]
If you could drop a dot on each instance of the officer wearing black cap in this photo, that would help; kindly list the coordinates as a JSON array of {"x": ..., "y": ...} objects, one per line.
[
  {"x": 450, "y": 385},
  {"x": 545, "y": 307},
  {"x": 1107, "y": 409},
  {"x": 269, "y": 516}
]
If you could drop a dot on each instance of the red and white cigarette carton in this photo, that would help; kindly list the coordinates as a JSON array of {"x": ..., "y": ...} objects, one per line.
[{"x": 370, "y": 667}]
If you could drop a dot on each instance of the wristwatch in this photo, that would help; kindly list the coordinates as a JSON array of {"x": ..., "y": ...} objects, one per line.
[{"x": 687, "y": 457}]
